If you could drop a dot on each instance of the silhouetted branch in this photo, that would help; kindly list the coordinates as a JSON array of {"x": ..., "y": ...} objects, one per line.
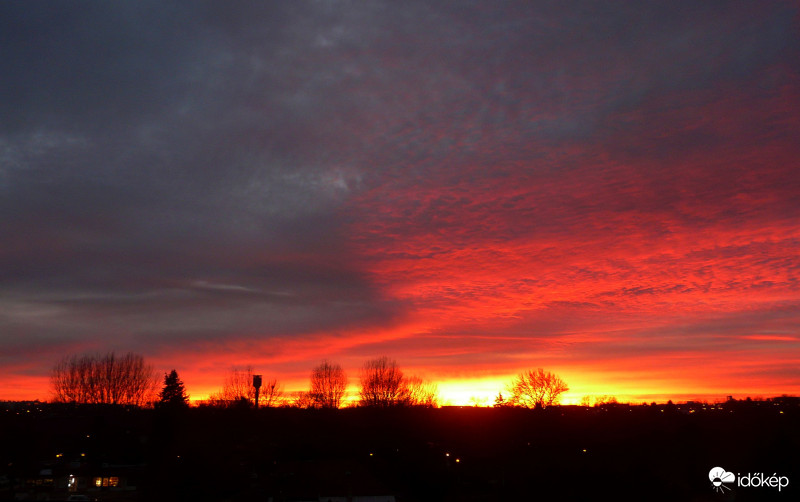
[
  {"x": 536, "y": 389},
  {"x": 328, "y": 384},
  {"x": 107, "y": 379}
]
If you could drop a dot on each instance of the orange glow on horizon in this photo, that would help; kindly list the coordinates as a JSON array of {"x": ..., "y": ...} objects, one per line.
[
  {"x": 595, "y": 360},
  {"x": 484, "y": 391}
]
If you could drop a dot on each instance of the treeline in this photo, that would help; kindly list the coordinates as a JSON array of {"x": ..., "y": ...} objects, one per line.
[{"x": 128, "y": 380}]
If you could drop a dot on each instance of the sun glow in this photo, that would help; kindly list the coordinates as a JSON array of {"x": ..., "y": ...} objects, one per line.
[
  {"x": 484, "y": 392},
  {"x": 487, "y": 391},
  {"x": 477, "y": 392}
]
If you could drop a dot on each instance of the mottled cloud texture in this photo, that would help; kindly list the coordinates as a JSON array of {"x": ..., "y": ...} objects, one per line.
[{"x": 473, "y": 188}]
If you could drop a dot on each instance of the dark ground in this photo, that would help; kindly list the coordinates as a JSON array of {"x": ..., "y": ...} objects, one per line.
[{"x": 448, "y": 454}]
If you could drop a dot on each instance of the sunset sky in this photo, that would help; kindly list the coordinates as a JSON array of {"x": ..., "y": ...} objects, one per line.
[{"x": 607, "y": 190}]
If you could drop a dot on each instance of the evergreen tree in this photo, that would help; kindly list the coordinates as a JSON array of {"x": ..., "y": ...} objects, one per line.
[{"x": 173, "y": 393}]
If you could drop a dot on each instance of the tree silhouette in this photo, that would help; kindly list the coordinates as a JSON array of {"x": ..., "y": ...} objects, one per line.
[
  {"x": 328, "y": 384},
  {"x": 238, "y": 388},
  {"x": 536, "y": 389},
  {"x": 271, "y": 393},
  {"x": 108, "y": 379},
  {"x": 173, "y": 394},
  {"x": 419, "y": 392},
  {"x": 382, "y": 383},
  {"x": 299, "y": 399}
]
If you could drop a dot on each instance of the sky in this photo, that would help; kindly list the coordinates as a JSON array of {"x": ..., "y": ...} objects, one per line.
[{"x": 609, "y": 191}]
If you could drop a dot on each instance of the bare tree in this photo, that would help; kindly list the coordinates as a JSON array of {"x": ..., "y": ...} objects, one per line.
[
  {"x": 238, "y": 388},
  {"x": 299, "y": 399},
  {"x": 108, "y": 379},
  {"x": 597, "y": 400},
  {"x": 536, "y": 389},
  {"x": 328, "y": 384},
  {"x": 382, "y": 383},
  {"x": 419, "y": 392}
]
